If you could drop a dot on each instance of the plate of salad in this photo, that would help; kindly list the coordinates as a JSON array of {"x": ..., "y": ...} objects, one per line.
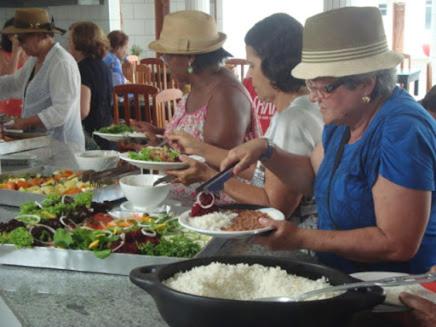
[
  {"x": 119, "y": 132},
  {"x": 156, "y": 158},
  {"x": 78, "y": 224}
]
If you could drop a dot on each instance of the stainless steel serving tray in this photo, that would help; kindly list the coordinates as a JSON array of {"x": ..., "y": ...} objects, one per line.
[
  {"x": 77, "y": 260},
  {"x": 17, "y": 198},
  {"x": 24, "y": 144}
]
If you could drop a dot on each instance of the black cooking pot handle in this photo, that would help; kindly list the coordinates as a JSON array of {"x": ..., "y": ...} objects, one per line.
[{"x": 145, "y": 277}]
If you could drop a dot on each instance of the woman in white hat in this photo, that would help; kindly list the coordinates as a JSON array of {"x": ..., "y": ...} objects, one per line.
[
  {"x": 49, "y": 82},
  {"x": 273, "y": 48},
  {"x": 373, "y": 176},
  {"x": 218, "y": 109}
]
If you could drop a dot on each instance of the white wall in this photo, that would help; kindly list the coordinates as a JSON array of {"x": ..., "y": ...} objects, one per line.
[{"x": 137, "y": 21}]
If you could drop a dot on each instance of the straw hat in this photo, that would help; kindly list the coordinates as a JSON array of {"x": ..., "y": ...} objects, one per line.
[
  {"x": 343, "y": 42},
  {"x": 32, "y": 20},
  {"x": 188, "y": 32}
]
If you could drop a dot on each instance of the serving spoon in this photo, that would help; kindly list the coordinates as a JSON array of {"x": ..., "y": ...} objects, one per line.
[{"x": 384, "y": 282}]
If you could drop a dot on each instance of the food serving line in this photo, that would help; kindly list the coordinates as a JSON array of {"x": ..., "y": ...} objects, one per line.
[{"x": 82, "y": 290}]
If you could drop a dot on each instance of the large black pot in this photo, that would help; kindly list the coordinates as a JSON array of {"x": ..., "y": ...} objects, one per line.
[{"x": 182, "y": 309}]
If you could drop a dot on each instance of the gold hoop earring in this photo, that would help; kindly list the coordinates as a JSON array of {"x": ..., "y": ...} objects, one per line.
[{"x": 366, "y": 99}]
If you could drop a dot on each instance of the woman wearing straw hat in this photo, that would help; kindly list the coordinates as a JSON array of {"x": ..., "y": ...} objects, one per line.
[
  {"x": 373, "y": 176},
  {"x": 218, "y": 109},
  {"x": 49, "y": 82}
]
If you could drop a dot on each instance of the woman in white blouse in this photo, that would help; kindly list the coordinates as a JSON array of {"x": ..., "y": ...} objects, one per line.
[
  {"x": 296, "y": 126},
  {"x": 49, "y": 82}
]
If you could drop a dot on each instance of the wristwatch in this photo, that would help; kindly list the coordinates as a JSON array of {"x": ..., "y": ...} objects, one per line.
[{"x": 267, "y": 154}]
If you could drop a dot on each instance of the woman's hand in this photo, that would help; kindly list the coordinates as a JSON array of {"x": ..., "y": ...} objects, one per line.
[
  {"x": 185, "y": 142},
  {"x": 245, "y": 155},
  {"x": 127, "y": 146},
  {"x": 196, "y": 172},
  {"x": 284, "y": 236},
  {"x": 424, "y": 311}
]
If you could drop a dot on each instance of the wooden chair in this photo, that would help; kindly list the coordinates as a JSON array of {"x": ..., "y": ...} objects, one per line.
[
  {"x": 166, "y": 102},
  {"x": 158, "y": 72},
  {"x": 131, "y": 95},
  {"x": 429, "y": 79},
  {"x": 143, "y": 74},
  {"x": 238, "y": 66},
  {"x": 129, "y": 71}
]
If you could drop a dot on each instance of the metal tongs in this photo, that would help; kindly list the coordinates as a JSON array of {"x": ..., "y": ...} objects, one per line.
[
  {"x": 216, "y": 183},
  {"x": 385, "y": 282}
]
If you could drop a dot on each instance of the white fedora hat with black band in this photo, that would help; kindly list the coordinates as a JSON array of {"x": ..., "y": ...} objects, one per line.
[{"x": 343, "y": 42}]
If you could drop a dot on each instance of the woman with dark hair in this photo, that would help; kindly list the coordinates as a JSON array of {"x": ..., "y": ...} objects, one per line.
[
  {"x": 273, "y": 48},
  {"x": 49, "y": 82},
  {"x": 88, "y": 45},
  {"x": 12, "y": 55},
  {"x": 119, "y": 42}
]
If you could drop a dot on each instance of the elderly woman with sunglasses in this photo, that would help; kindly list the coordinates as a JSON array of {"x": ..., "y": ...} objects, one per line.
[
  {"x": 49, "y": 82},
  {"x": 373, "y": 176}
]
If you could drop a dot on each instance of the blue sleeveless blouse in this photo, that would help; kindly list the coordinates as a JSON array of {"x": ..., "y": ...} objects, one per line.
[{"x": 400, "y": 145}]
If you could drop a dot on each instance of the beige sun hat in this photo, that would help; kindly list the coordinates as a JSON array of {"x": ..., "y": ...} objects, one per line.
[
  {"x": 32, "y": 20},
  {"x": 188, "y": 32},
  {"x": 343, "y": 42}
]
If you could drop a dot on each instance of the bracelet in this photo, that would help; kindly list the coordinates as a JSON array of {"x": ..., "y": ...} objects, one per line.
[{"x": 267, "y": 154}]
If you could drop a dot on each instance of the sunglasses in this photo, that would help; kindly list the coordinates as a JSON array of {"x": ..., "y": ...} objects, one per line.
[{"x": 326, "y": 90}]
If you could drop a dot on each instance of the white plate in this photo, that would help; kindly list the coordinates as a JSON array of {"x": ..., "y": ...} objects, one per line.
[
  {"x": 273, "y": 213},
  {"x": 392, "y": 293},
  {"x": 137, "y": 135},
  {"x": 157, "y": 165},
  {"x": 129, "y": 207},
  {"x": 112, "y": 137}
]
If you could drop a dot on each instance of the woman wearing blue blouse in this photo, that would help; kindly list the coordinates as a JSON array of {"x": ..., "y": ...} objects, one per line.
[{"x": 374, "y": 173}]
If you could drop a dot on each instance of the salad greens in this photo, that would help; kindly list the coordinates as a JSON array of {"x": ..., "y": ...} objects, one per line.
[
  {"x": 54, "y": 206},
  {"x": 163, "y": 154},
  {"x": 176, "y": 246},
  {"x": 116, "y": 129},
  {"x": 20, "y": 237}
]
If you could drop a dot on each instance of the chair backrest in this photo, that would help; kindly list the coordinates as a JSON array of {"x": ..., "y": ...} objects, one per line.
[
  {"x": 429, "y": 73},
  {"x": 158, "y": 72},
  {"x": 143, "y": 74},
  {"x": 406, "y": 59},
  {"x": 166, "y": 102},
  {"x": 131, "y": 95},
  {"x": 238, "y": 66},
  {"x": 129, "y": 69}
]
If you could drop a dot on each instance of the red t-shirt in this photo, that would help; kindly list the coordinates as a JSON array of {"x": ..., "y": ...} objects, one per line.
[{"x": 264, "y": 110}]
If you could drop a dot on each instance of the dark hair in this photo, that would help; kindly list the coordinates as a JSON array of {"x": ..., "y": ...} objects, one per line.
[
  {"x": 277, "y": 40},
  {"x": 6, "y": 44},
  {"x": 429, "y": 101},
  {"x": 205, "y": 60},
  {"x": 117, "y": 39},
  {"x": 88, "y": 38}
]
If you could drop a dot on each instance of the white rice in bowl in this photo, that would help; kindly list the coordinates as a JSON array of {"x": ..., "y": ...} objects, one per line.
[
  {"x": 243, "y": 282},
  {"x": 213, "y": 221}
]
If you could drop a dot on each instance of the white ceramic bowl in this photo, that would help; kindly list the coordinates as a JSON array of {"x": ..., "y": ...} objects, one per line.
[
  {"x": 139, "y": 190},
  {"x": 97, "y": 159}
]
